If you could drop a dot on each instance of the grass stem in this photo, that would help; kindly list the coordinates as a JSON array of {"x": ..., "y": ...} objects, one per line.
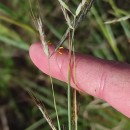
[{"x": 54, "y": 100}]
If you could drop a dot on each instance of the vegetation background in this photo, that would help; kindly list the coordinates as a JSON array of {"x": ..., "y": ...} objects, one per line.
[{"x": 17, "y": 72}]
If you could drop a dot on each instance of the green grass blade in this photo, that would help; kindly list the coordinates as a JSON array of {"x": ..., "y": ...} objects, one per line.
[
  {"x": 107, "y": 32},
  {"x": 12, "y": 42},
  {"x": 21, "y": 25}
]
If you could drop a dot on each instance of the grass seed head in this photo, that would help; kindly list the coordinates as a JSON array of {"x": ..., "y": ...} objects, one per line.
[{"x": 42, "y": 36}]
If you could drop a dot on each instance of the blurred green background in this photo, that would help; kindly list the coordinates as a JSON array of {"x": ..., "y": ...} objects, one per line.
[{"x": 17, "y": 72}]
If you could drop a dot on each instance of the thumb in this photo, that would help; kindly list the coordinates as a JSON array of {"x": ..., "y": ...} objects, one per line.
[{"x": 107, "y": 80}]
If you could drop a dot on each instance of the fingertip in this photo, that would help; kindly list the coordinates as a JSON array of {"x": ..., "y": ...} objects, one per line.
[
  {"x": 35, "y": 47},
  {"x": 37, "y": 56},
  {"x": 40, "y": 59}
]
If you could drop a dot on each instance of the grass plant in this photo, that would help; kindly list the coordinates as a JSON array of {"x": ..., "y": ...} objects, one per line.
[
  {"x": 76, "y": 17},
  {"x": 107, "y": 37}
]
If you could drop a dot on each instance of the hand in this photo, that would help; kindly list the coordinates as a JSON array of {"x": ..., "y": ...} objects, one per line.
[{"x": 108, "y": 80}]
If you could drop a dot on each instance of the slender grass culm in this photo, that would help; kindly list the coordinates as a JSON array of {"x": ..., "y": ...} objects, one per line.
[{"x": 73, "y": 20}]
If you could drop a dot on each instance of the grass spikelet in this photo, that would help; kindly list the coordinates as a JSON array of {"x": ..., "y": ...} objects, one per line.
[
  {"x": 80, "y": 6},
  {"x": 42, "y": 36},
  {"x": 43, "y": 110},
  {"x": 64, "y": 5},
  {"x": 66, "y": 17},
  {"x": 39, "y": 27}
]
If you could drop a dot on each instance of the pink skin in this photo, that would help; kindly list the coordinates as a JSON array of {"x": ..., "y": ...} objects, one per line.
[{"x": 108, "y": 80}]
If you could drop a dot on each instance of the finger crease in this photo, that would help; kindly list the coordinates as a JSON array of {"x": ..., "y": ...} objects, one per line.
[{"x": 100, "y": 92}]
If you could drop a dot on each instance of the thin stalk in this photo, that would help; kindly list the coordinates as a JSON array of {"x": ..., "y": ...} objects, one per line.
[
  {"x": 69, "y": 101},
  {"x": 71, "y": 48},
  {"x": 75, "y": 110},
  {"x": 69, "y": 88},
  {"x": 74, "y": 73},
  {"x": 54, "y": 100}
]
